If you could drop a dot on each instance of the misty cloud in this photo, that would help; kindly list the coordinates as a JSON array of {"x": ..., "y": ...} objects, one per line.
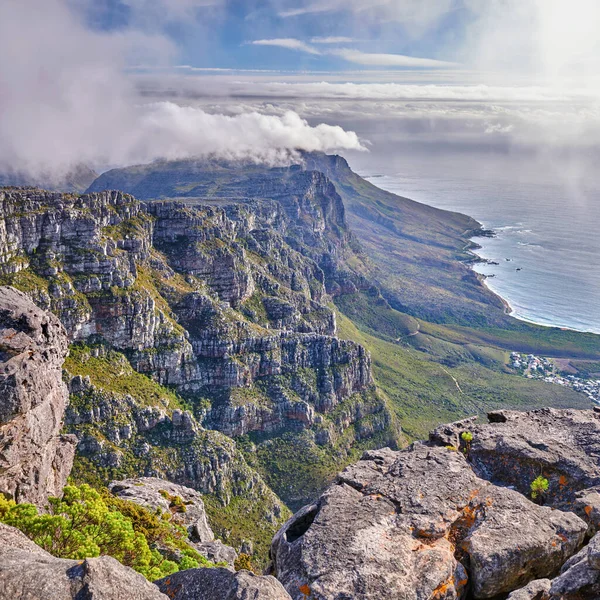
[{"x": 65, "y": 99}]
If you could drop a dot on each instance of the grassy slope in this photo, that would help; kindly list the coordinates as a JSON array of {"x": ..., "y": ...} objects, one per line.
[{"x": 428, "y": 381}]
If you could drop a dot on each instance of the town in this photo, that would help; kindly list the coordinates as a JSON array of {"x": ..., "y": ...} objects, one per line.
[{"x": 536, "y": 367}]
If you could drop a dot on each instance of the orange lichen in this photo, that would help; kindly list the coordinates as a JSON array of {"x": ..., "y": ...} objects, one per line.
[
  {"x": 562, "y": 481},
  {"x": 305, "y": 590},
  {"x": 442, "y": 589},
  {"x": 588, "y": 510}
]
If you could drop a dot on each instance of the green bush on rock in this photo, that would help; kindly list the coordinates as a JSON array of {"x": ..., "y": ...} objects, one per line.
[{"x": 85, "y": 523}]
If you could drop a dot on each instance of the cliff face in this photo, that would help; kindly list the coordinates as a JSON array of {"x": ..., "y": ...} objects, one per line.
[
  {"x": 223, "y": 303},
  {"x": 35, "y": 459},
  {"x": 208, "y": 296}
]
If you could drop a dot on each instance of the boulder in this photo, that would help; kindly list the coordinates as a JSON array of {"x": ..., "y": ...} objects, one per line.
[
  {"x": 535, "y": 590},
  {"x": 28, "y": 572},
  {"x": 184, "y": 503},
  {"x": 35, "y": 459},
  {"x": 579, "y": 578},
  {"x": 562, "y": 445},
  {"x": 419, "y": 524},
  {"x": 217, "y": 552},
  {"x": 221, "y": 584}
]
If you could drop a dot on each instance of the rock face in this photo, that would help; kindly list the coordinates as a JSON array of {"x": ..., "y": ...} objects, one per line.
[
  {"x": 35, "y": 459},
  {"x": 221, "y": 584},
  {"x": 211, "y": 299},
  {"x": 222, "y": 300},
  {"x": 183, "y": 503},
  {"x": 561, "y": 445},
  {"x": 420, "y": 524},
  {"x": 29, "y": 573}
]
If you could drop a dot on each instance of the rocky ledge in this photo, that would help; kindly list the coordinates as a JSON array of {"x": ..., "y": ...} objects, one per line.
[
  {"x": 458, "y": 516},
  {"x": 35, "y": 459}
]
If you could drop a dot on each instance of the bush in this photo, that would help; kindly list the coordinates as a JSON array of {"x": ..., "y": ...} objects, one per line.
[
  {"x": 538, "y": 486},
  {"x": 84, "y": 524},
  {"x": 243, "y": 561}
]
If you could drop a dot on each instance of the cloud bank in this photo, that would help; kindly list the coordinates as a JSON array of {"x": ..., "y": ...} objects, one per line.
[
  {"x": 355, "y": 56},
  {"x": 65, "y": 98}
]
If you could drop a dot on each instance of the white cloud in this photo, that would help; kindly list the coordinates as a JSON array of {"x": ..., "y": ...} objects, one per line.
[
  {"x": 389, "y": 60},
  {"x": 332, "y": 40},
  {"x": 290, "y": 43},
  {"x": 66, "y": 99},
  {"x": 356, "y": 56}
]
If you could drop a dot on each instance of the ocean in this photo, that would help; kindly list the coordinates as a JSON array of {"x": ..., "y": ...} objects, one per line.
[{"x": 546, "y": 215}]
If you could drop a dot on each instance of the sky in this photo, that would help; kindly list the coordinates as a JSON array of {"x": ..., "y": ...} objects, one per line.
[{"x": 116, "y": 82}]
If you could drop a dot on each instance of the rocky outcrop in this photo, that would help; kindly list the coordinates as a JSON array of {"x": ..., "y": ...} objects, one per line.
[
  {"x": 184, "y": 504},
  {"x": 221, "y": 584},
  {"x": 562, "y": 446},
  {"x": 29, "y": 573},
  {"x": 420, "y": 524},
  {"x": 211, "y": 298},
  {"x": 35, "y": 459}
]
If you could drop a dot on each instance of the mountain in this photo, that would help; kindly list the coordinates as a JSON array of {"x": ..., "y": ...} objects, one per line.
[
  {"x": 232, "y": 346},
  {"x": 77, "y": 179},
  {"x": 418, "y": 256}
]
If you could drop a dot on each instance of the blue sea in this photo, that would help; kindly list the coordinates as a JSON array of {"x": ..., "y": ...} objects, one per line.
[{"x": 545, "y": 212}]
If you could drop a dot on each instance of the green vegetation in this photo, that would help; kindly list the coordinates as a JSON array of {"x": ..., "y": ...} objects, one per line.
[
  {"x": 244, "y": 519},
  {"x": 86, "y": 523},
  {"x": 112, "y": 372},
  {"x": 538, "y": 487},
  {"x": 425, "y": 388},
  {"x": 243, "y": 561}
]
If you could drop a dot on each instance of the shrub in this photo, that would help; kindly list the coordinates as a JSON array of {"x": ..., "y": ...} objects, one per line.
[
  {"x": 243, "y": 561},
  {"x": 85, "y": 523},
  {"x": 538, "y": 486}
]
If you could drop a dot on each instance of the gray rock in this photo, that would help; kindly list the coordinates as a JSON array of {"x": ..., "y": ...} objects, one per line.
[
  {"x": 593, "y": 552},
  {"x": 536, "y": 590},
  {"x": 221, "y": 584},
  {"x": 398, "y": 524},
  {"x": 217, "y": 552},
  {"x": 29, "y": 573},
  {"x": 35, "y": 459},
  {"x": 563, "y": 445},
  {"x": 154, "y": 493}
]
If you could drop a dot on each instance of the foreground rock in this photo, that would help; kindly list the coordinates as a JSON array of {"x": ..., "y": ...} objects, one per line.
[
  {"x": 35, "y": 460},
  {"x": 221, "y": 584},
  {"x": 29, "y": 573},
  {"x": 420, "y": 524},
  {"x": 579, "y": 578},
  {"x": 183, "y": 503},
  {"x": 561, "y": 445}
]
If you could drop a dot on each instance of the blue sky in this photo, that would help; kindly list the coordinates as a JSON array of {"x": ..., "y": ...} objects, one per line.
[{"x": 223, "y": 34}]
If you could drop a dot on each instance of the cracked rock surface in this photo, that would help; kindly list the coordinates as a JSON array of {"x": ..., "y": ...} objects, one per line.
[
  {"x": 35, "y": 459},
  {"x": 420, "y": 524},
  {"x": 221, "y": 584}
]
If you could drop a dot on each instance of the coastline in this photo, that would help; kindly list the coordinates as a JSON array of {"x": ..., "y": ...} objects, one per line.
[{"x": 509, "y": 310}]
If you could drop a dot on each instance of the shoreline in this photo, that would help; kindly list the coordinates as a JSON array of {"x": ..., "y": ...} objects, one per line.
[{"x": 508, "y": 308}]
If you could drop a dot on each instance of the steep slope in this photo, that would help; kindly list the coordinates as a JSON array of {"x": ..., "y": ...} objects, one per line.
[
  {"x": 35, "y": 459},
  {"x": 415, "y": 254},
  {"x": 195, "y": 321}
]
